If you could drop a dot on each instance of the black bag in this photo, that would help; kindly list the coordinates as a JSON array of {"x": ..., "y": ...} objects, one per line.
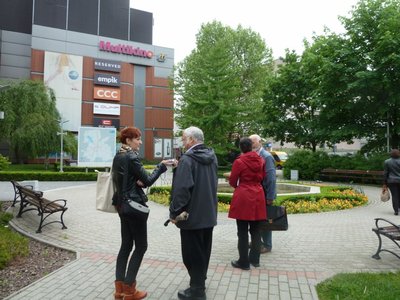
[
  {"x": 135, "y": 210},
  {"x": 133, "y": 206},
  {"x": 276, "y": 219}
]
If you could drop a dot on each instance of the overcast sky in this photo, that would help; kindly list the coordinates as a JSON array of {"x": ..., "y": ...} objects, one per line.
[{"x": 281, "y": 23}]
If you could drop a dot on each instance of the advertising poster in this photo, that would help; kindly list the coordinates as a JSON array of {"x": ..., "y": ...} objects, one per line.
[
  {"x": 167, "y": 148},
  {"x": 158, "y": 148},
  {"x": 63, "y": 73}
]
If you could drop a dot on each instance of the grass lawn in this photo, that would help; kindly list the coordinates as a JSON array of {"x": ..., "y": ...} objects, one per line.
[{"x": 360, "y": 286}]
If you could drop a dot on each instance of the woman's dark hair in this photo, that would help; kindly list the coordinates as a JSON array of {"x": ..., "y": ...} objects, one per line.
[
  {"x": 245, "y": 145},
  {"x": 129, "y": 133},
  {"x": 395, "y": 153}
]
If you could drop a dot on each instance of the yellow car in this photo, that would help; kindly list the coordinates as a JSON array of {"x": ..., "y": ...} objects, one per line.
[{"x": 280, "y": 158}]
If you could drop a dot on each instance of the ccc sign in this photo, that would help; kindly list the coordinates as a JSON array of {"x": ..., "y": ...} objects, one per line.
[{"x": 106, "y": 93}]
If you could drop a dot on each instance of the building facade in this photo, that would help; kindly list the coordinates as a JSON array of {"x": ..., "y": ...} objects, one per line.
[{"x": 98, "y": 57}]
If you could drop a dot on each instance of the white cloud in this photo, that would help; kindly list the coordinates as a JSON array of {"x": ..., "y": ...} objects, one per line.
[{"x": 281, "y": 23}]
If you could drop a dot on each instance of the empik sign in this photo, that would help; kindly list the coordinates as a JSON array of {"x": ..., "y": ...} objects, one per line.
[{"x": 107, "y": 79}]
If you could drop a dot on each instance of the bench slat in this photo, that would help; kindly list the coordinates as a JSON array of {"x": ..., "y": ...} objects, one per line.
[
  {"x": 44, "y": 206},
  {"x": 392, "y": 232}
]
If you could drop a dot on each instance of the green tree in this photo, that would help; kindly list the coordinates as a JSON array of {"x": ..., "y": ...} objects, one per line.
[
  {"x": 30, "y": 124},
  {"x": 219, "y": 85},
  {"x": 360, "y": 78},
  {"x": 291, "y": 103},
  {"x": 351, "y": 80}
]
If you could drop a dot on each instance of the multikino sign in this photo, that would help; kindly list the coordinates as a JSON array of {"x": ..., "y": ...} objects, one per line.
[{"x": 125, "y": 49}]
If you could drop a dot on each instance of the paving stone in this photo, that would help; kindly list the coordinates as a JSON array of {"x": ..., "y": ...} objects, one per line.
[{"x": 315, "y": 247}]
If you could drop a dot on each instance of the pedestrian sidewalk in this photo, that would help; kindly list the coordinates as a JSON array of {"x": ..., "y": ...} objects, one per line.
[{"x": 315, "y": 247}]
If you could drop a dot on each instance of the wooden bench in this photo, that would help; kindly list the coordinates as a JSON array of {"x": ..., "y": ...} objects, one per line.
[
  {"x": 363, "y": 176},
  {"x": 391, "y": 231},
  {"x": 17, "y": 195},
  {"x": 33, "y": 200}
]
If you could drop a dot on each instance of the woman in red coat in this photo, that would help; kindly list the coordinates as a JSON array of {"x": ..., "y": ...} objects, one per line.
[{"x": 248, "y": 204}]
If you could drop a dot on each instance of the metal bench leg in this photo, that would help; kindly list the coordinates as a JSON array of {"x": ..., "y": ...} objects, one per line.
[
  {"x": 16, "y": 196},
  {"x": 62, "y": 220},
  {"x": 376, "y": 255},
  {"x": 40, "y": 224}
]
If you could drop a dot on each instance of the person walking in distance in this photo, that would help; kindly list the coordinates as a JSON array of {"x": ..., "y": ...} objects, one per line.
[
  {"x": 194, "y": 190},
  {"x": 392, "y": 178},
  {"x": 269, "y": 185}
]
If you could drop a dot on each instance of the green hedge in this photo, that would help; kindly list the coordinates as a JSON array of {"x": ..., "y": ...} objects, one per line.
[{"x": 48, "y": 176}]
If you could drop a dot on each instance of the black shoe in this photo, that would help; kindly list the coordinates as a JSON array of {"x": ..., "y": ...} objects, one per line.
[
  {"x": 255, "y": 265},
  {"x": 190, "y": 294},
  {"x": 236, "y": 264},
  {"x": 396, "y": 213}
]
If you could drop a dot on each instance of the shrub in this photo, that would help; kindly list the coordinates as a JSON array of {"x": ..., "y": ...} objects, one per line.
[
  {"x": 12, "y": 244},
  {"x": 4, "y": 162},
  {"x": 48, "y": 176},
  {"x": 308, "y": 163}
]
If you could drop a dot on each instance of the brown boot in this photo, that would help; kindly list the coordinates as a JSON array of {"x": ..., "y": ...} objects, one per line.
[
  {"x": 118, "y": 295},
  {"x": 131, "y": 293}
]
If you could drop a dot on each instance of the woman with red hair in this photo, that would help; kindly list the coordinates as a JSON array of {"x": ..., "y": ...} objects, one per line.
[{"x": 126, "y": 163}]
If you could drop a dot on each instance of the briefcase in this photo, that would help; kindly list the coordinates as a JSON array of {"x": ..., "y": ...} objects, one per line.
[{"x": 276, "y": 219}]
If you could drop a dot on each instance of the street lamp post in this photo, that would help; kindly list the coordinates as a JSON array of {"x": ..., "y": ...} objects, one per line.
[
  {"x": 62, "y": 133},
  {"x": 387, "y": 137}
]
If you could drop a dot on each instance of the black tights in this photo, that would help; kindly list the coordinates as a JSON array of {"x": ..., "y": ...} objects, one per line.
[{"x": 131, "y": 231}]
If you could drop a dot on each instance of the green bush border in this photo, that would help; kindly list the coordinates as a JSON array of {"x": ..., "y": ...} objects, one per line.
[{"x": 48, "y": 176}]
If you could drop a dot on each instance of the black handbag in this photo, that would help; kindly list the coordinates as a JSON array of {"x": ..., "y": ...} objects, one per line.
[
  {"x": 276, "y": 219},
  {"x": 133, "y": 205},
  {"x": 135, "y": 210}
]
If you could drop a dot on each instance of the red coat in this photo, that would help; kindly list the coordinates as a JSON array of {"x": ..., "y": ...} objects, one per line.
[{"x": 248, "y": 201}]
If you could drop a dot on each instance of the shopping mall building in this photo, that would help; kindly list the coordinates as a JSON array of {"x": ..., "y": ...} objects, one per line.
[{"x": 99, "y": 57}]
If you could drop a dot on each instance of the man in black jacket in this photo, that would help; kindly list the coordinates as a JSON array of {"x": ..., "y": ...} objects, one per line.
[{"x": 194, "y": 190}]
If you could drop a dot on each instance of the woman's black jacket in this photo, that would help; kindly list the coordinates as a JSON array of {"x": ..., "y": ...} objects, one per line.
[{"x": 127, "y": 163}]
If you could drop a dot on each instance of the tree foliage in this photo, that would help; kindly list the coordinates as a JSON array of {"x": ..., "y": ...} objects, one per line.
[
  {"x": 219, "y": 85},
  {"x": 374, "y": 38},
  {"x": 292, "y": 104},
  {"x": 351, "y": 80},
  {"x": 30, "y": 124}
]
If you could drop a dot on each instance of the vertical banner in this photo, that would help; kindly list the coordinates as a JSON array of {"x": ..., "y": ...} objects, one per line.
[
  {"x": 158, "y": 148},
  {"x": 167, "y": 148},
  {"x": 63, "y": 73}
]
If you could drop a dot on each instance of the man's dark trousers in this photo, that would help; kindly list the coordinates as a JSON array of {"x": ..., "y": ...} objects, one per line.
[{"x": 196, "y": 252}]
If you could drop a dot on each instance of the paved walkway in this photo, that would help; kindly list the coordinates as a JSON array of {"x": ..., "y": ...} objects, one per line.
[{"x": 315, "y": 247}]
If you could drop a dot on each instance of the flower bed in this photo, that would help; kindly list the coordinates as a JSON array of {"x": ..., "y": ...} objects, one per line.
[{"x": 330, "y": 199}]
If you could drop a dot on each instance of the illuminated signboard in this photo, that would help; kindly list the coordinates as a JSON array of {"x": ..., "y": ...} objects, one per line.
[{"x": 100, "y": 92}]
